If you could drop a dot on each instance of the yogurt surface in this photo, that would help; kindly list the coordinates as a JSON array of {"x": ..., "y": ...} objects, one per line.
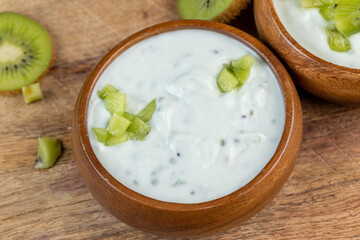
[
  {"x": 204, "y": 144},
  {"x": 308, "y": 28}
]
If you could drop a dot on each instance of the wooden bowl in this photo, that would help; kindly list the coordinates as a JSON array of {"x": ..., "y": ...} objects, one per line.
[
  {"x": 326, "y": 80},
  {"x": 188, "y": 220}
]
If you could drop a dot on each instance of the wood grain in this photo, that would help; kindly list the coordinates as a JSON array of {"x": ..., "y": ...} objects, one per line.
[{"x": 321, "y": 199}]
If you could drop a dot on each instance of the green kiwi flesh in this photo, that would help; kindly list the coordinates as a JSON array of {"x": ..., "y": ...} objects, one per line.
[
  {"x": 25, "y": 51},
  {"x": 318, "y": 3},
  {"x": 347, "y": 16},
  {"x": 328, "y": 12},
  {"x": 202, "y": 9},
  {"x": 32, "y": 93},
  {"x": 48, "y": 153},
  {"x": 337, "y": 41}
]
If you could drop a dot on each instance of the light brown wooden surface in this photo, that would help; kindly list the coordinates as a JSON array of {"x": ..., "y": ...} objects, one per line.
[{"x": 321, "y": 199}]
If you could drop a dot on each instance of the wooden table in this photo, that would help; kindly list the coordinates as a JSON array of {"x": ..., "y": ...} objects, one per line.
[{"x": 321, "y": 199}]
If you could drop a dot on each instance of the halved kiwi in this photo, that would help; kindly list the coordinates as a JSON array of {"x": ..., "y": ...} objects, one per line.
[
  {"x": 216, "y": 10},
  {"x": 25, "y": 51}
]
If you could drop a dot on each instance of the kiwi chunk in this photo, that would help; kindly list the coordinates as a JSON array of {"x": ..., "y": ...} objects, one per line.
[
  {"x": 115, "y": 103},
  {"x": 139, "y": 129},
  {"x": 227, "y": 80},
  {"x": 101, "y": 134},
  {"x": 117, "y": 125},
  {"x": 32, "y": 93},
  {"x": 146, "y": 113},
  {"x": 337, "y": 41},
  {"x": 49, "y": 151},
  {"x": 245, "y": 62},
  {"x": 242, "y": 75},
  {"x": 222, "y": 11},
  {"x": 116, "y": 140},
  {"x": 128, "y": 116},
  {"x": 25, "y": 51},
  {"x": 107, "y": 89},
  {"x": 347, "y": 16},
  {"x": 241, "y": 67},
  {"x": 328, "y": 12},
  {"x": 317, "y": 3}
]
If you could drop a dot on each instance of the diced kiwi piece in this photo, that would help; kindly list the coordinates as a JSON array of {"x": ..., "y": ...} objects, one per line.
[
  {"x": 242, "y": 75},
  {"x": 49, "y": 151},
  {"x": 130, "y": 135},
  {"x": 311, "y": 3},
  {"x": 116, "y": 140},
  {"x": 223, "y": 10},
  {"x": 128, "y": 116},
  {"x": 227, "y": 80},
  {"x": 146, "y": 113},
  {"x": 347, "y": 16},
  {"x": 101, "y": 134},
  {"x": 107, "y": 89},
  {"x": 139, "y": 128},
  {"x": 115, "y": 103},
  {"x": 328, "y": 12},
  {"x": 245, "y": 62},
  {"x": 317, "y": 3},
  {"x": 117, "y": 125},
  {"x": 25, "y": 51},
  {"x": 32, "y": 93},
  {"x": 337, "y": 41},
  {"x": 241, "y": 67}
]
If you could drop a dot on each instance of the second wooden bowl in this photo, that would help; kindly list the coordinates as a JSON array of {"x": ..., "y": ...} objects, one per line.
[
  {"x": 326, "y": 80},
  {"x": 188, "y": 220}
]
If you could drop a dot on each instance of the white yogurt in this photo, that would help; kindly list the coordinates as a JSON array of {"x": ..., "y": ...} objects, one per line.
[
  {"x": 308, "y": 28},
  {"x": 203, "y": 144}
]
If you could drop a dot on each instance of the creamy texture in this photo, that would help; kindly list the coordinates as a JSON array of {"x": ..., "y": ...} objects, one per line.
[
  {"x": 308, "y": 28},
  {"x": 203, "y": 144}
]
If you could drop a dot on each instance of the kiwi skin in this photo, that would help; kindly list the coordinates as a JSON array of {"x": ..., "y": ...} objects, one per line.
[
  {"x": 232, "y": 11},
  {"x": 17, "y": 91}
]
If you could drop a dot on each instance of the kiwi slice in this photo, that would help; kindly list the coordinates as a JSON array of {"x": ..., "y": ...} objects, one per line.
[
  {"x": 48, "y": 153},
  {"x": 347, "y": 16},
  {"x": 25, "y": 51},
  {"x": 337, "y": 41},
  {"x": 216, "y": 10}
]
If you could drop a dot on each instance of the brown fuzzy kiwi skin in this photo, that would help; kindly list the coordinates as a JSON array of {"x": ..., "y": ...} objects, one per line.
[
  {"x": 17, "y": 91},
  {"x": 232, "y": 11}
]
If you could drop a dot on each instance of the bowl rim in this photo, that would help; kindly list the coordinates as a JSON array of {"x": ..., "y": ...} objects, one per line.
[
  {"x": 302, "y": 49},
  {"x": 287, "y": 88}
]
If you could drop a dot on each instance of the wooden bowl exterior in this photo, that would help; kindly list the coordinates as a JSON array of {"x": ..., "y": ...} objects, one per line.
[
  {"x": 331, "y": 82},
  {"x": 188, "y": 220}
]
